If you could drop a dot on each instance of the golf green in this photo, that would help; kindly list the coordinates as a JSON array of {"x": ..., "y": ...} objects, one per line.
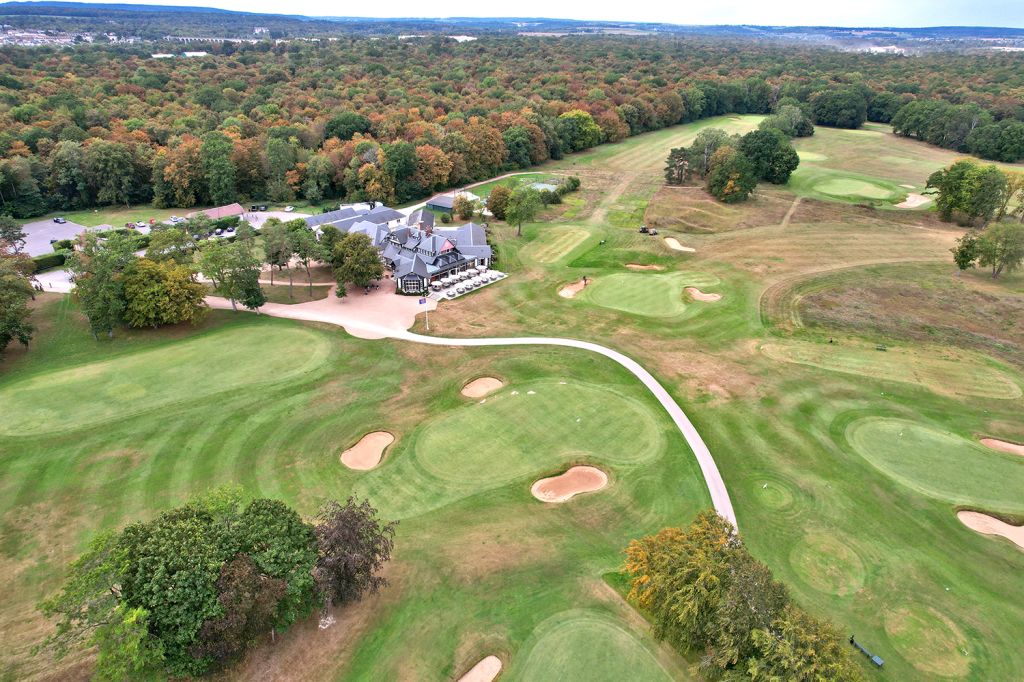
[
  {"x": 133, "y": 383},
  {"x": 649, "y": 295},
  {"x": 526, "y": 430},
  {"x": 940, "y": 464},
  {"x": 850, "y": 187},
  {"x": 586, "y": 645}
]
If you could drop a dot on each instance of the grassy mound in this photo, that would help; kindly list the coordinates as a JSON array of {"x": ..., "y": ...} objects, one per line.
[
  {"x": 586, "y": 645},
  {"x": 940, "y": 464},
  {"x": 948, "y": 373},
  {"x": 100, "y": 391},
  {"x": 649, "y": 295}
]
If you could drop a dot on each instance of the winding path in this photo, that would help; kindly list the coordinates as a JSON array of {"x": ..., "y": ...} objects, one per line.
[{"x": 338, "y": 314}]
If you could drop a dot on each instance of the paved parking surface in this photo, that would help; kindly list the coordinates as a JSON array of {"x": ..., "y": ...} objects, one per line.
[{"x": 39, "y": 234}]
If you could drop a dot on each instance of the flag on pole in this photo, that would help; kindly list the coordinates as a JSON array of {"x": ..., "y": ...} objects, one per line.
[{"x": 423, "y": 301}]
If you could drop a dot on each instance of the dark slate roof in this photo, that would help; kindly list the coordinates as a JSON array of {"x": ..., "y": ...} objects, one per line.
[
  {"x": 333, "y": 217},
  {"x": 383, "y": 214},
  {"x": 441, "y": 200},
  {"x": 420, "y": 218}
]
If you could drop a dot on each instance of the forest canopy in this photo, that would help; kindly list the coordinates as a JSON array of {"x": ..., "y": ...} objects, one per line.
[{"x": 393, "y": 120}]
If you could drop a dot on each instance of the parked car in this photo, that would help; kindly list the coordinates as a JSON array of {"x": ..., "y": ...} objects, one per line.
[
  {"x": 219, "y": 231},
  {"x": 229, "y": 230},
  {"x": 60, "y": 221},
  {"x": 643, "y": 229},
  {"x": 175, "y": 219},
  {"x": 653, "y": 232},
  {"x": 141, "y": 223},
  {"x": 289, "y": 209},
  {"x": 262, "y": 207}
]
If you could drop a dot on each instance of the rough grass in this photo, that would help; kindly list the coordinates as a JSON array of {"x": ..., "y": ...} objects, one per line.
[{"x": 947, "y": 372}]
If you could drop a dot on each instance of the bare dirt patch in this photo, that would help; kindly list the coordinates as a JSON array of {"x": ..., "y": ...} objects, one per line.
[
  {"x": 990, "y": 525},
  {"x": 478, "y": 388},
  {"x": 1003, "y": 446},
  {"x": 562, "y": 488},
  {"x": 367, "y": 453},
  {"x": 637, "y": 266},
  {"x": 913, "y": 200},
  {"x": 570, "y": 290},
  {"x": 674, "y": 244},
  {"x": 484, "y": 671},
  {"x": 699, "y": 295}
]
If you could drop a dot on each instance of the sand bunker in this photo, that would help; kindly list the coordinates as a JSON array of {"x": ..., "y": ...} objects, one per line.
[
  {"x": 990, "y": 525},
  {"x": 484, "y": 671},
  {"x": 674, "y": 244},
  {"x": 478, "y": 388},
  {"x": 637, "y": 266},
  {"x": 699, "y": 295},
  {"x": 1003, "y": 446},
  {"x": 367, "y": 453},
  {"x": 570, "y": 290},
  {"x": 914, "y": 200},
  {"x": 562, "y": 488}
]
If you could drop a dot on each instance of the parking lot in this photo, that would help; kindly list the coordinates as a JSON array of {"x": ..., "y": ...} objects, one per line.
[{"x": 39, "y": 234}]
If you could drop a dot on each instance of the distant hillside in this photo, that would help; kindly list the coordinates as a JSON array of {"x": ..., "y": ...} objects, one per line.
[{"x": 155, "y": 21}]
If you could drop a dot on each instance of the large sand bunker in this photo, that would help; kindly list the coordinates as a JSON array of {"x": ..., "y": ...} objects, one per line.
[
  {"x": 674, "y": 244},
  {"x": 1003, "y": 446},
  {"x": 637, "y": 266},
  {"x": 478, "y": 388},
  {"x": 367, "y": 453},
  {"x": 484, "y": 671},
  {"x": 562, "y": 488},
  {"x": 699, "y": 295},
  {"x": 570, "y": 290},
  {"x": 913, "y": 200},
  {"x": 990, "y": 525}
]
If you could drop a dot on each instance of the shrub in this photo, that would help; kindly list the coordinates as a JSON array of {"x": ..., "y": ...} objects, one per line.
[
  {"x": 547, "y": 197},
  {"x": 48, "y": 261},
  {"x": 446, "y": 218}
]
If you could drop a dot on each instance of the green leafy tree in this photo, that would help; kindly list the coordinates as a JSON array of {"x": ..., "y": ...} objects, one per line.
[
  {"x": 356, "y": 261},
  {"x": 965, "y": 253},
  {"x": 15, "y": 292},
  {"x": 329, "y": 236},
  {"x": 159, "y": 293},
  {"x": 839, "y": 107},
  {"x": 317, "y": 181},
  {"x": 98, "y": 269},
  {"x": 676, "y": 167},
  {"x": 12, "y": 233},
  {"x": 234, "y": 271},
  {"x": 698, "y": 154},
  {"x": 171, "y": 244},
  {"x": 578, "y": 130},
  {"x": 277, "y": 247},
  {"x": 218, "y": 168},
  {"x": 125, "y": 649},
  {"x": 790, "y": 120},
  {"x": 771, "y": 154},
  {"x": 463, "y": 207},
  {"x": 732, "y": 176},
  {"x": 346, "y": 124},
  {"x": 67, "y": 178},
  {"x": 307, "y": 250},
  {"x": 497, "y": 201},
  {"x": 803, "y": 649},
  {"x": 1001, "y": 247},
  {"x": 523, "y": 206},
  {"x": 969, "y": 192},
  {"x": 109, "y": 169}
]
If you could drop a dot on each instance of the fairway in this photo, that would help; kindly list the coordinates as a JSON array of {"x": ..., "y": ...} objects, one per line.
[
  {"x": 99, "y": 391},
  {"x": 940, "y": 464},
  {"x": 556, "y": 243},
  {"x": 649, "y": 295},
  {"x": 946, "y": 372},
  {"x": 586, "y": 645}
]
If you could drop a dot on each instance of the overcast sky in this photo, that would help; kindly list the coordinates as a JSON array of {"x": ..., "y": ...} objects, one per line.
[{"x": 784, "y": 13}]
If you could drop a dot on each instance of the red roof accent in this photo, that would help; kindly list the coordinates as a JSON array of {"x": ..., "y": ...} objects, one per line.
[
  {"x": 447, "y": 246},
  {"x": 220, "y": 211}
]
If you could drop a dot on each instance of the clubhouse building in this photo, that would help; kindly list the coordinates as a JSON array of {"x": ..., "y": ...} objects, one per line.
[{"x": 419, "y": 256}]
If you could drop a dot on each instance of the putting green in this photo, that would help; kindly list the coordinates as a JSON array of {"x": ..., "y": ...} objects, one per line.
[
  {"x": 556, "y": 243},
  {"x": 850, "y": 187},
  {"x": 940, "y": 464},
  {"x": 522, "y": 431},
  {"x": 585, "y": 645},
  {"x": 950, "y": 373},
  {"x": 650, "y": 295},
  {"x": 929, "y": 640},
  {"x": 139, "y": 382}
]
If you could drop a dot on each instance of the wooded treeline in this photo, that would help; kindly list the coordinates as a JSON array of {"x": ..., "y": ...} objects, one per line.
[{"x": 393, "y": 120}]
